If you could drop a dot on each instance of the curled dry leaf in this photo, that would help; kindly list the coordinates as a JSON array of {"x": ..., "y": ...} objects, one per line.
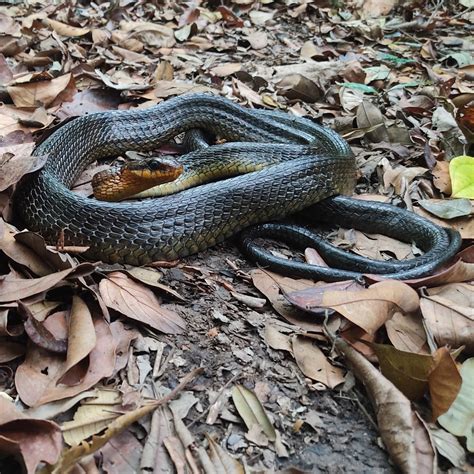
[
  {"x": 33, "y": 441},
  {"x": 139, "y": 303},
  {"x": 81, "y": 335},
  {"x": 43, "y": 338},
  {"x": 66, "y": 30},
  {"x": 270, "y": 285},
  {"x": 403, "y": 432},
  {"x": 314, "y": 364}
]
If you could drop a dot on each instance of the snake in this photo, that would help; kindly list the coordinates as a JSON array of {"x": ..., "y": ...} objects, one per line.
[{"x": 308, "y": 168}]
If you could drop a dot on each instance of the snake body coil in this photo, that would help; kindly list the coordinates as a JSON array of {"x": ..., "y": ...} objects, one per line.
[{"x": 312, "y": 163}]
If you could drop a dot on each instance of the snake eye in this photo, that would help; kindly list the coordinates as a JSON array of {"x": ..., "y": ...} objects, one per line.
[{"x": 154, "y": 165}]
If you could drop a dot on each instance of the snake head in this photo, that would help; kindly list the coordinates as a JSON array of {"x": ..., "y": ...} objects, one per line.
[{"x": 134, "y": 177}]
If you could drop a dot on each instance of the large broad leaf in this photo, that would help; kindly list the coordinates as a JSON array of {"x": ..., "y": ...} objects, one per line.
[{"x": 461, "y": 170}]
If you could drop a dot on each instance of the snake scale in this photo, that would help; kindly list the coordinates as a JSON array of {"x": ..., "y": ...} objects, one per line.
[{"x": 308, "y": 163}]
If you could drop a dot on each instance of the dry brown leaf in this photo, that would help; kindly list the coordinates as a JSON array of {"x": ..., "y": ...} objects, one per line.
[
  {"x": 299, "y": 87},
  {"x": 92, "y": 416},
  {"x": 276, "y": 339},
  {"x": 139, "y": 303},
  {"x": 369, "y": 115},
  {"x": 42, "y": 93},
  {"x": 270, "y": 285},
  {"x": 314, "y": 364},
  {"x": 441, "y": 178}
]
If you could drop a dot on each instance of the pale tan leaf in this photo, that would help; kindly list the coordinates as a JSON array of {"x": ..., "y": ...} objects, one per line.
[{"x": 92, "y": 417}]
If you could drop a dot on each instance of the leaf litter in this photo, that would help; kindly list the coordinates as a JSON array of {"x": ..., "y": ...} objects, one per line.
[{"x": 396, "y": 82}]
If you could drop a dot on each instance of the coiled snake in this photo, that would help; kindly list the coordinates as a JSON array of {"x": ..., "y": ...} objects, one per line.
[{"x": 308, "y": 163}]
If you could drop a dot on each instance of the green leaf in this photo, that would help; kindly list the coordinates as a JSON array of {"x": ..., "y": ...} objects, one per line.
[
  {"x": 252, "y": 411},
  {"x": 447, "y": 208},
  {"x": 395, "y": 59},
  {"x": 461, "y": 171}
]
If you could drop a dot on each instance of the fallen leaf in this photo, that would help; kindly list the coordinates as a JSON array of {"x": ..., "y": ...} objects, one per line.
[
  {"x": 314, "y": 364},
  {"x": 14, "y": 166},
  {"x": 139, "y": 303},
  {"x": 450, "y": 323},
  {"x": 368, "y": 115},
  {"x": 13, "y": 288},
  {"x": 299, "y": 87},
  {"x": 92, "y": 416},
  {"x": 42, "y": 93},
  {"x": 37, "y": 378},
  {"x": 406, "y": 332}
]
